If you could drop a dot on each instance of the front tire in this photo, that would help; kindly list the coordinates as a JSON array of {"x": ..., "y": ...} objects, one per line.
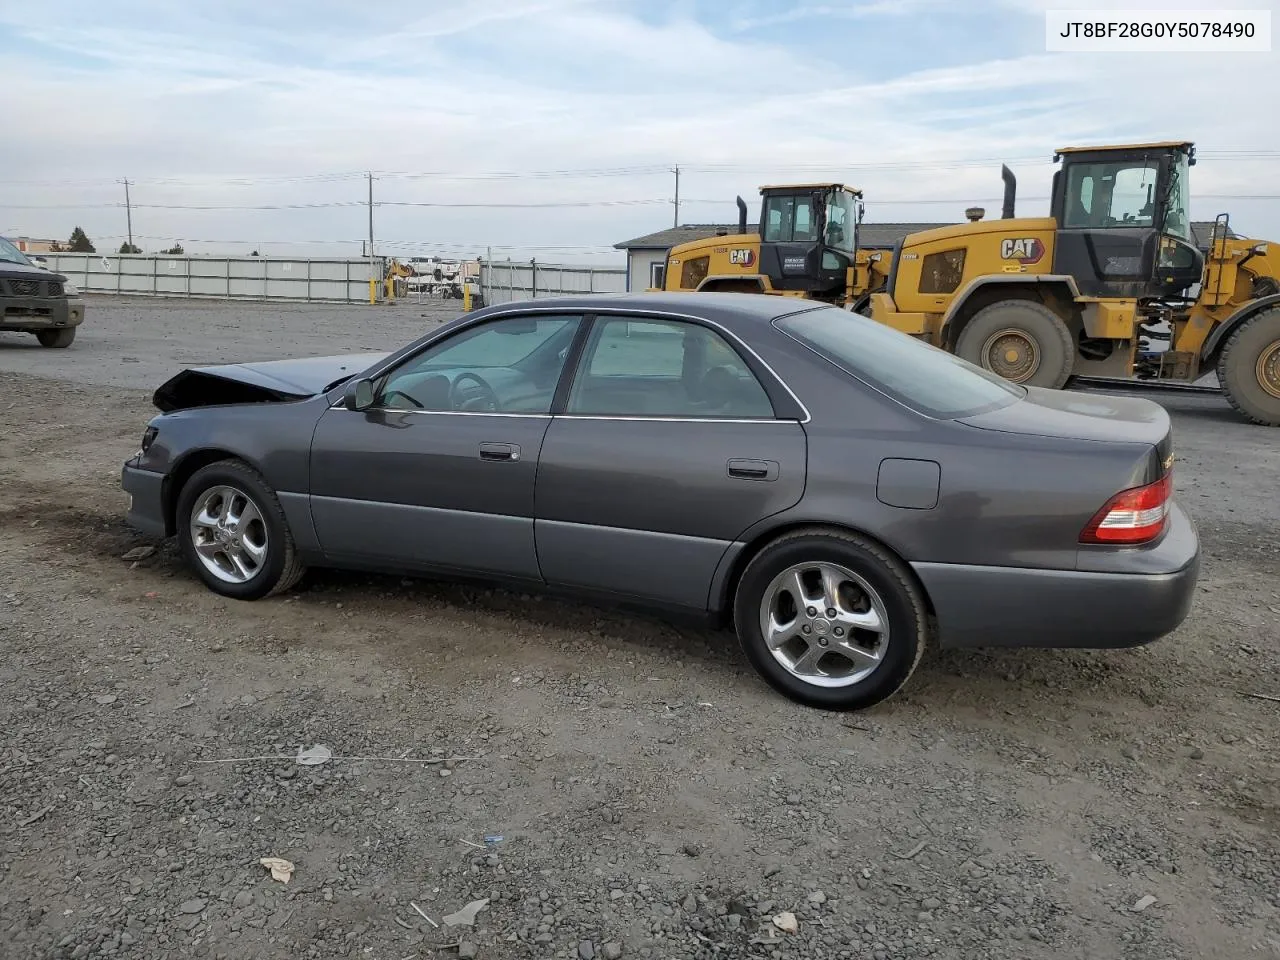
[
  {"x": 233, "y": 532},
  {"x": 1249, "y": 368},
  {"x": 1021, "y": 340},
  {"x": 830, "y": 619},
  {"x": 62, "y": 337}
]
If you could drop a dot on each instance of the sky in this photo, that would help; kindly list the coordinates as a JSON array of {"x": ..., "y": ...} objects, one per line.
[{"x": 549, "y": 129}]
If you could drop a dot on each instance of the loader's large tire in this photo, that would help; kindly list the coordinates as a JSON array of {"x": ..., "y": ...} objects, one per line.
[
  {"x": 1020, "y": 340},
  {"x": 1249, "y": 368}
]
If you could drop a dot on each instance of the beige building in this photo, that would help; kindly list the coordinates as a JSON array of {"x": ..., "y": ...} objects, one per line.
[{"x": 31, "y": 245}]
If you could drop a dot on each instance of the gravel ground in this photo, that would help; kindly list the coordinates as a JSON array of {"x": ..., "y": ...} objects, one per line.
[{"x": 653, "y": 798}]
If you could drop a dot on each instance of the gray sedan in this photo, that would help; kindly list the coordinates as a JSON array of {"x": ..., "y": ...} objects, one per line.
[{"x": 839, "y": 493}]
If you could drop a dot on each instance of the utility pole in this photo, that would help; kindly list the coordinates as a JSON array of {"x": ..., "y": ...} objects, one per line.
[
  {"x": 373, "y": 275},
  {"x": 676, "y": 218},
  {"x": 128, "y": 213}
]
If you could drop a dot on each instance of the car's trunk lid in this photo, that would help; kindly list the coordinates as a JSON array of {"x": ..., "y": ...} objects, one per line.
[
  {"x": 268, "y": 381},
  {"x": 1085, "y": 416}
]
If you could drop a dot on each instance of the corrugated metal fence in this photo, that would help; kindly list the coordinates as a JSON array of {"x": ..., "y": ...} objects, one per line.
[
  {"x": 504, "y": 281},
  {"x": 328, "y": 279}
]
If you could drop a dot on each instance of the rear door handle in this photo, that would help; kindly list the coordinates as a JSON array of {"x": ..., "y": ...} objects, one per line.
[
  {"x": 499, "y": 451},
  {"x": 753, "y": 469}
]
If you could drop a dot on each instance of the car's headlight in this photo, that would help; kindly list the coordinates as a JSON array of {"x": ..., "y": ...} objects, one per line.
[{"x": 70, "y": 290}]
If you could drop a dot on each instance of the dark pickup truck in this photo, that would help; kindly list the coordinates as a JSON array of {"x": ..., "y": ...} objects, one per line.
[{"x": 34, "y": 300}]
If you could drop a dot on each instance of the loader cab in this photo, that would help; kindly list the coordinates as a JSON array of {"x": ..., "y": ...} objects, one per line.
[
  {"x": 1124, "y": 223},
  {"x": 809, "y": 235}
]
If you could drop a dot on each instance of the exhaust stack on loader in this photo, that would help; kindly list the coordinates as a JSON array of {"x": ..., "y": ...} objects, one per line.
[{"x": 1010, "y": 190}]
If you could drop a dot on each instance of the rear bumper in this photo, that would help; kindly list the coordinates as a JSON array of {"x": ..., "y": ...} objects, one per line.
[
  {"x": 1022, "y": 607},
  {"x": 40, "y": 313},
  {"x": 146, "y": 499}
]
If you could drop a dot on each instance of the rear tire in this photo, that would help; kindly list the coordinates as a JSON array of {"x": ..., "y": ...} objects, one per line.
[
  {"x": 269, "y": 560},
  {"x": 62, "y": 337},
  {"x": 1249, "y": 368},
  {"x": 1021, "y": 340},
  {"x": 878, "y": 616}
]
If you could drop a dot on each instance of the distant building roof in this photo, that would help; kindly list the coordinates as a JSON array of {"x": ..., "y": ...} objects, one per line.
[
  {"x": 872, "y": 235},
  {"x": 887, "y": 234},
  {"x": 869, "y": 234},
  {"x": 666, "y": 239}
]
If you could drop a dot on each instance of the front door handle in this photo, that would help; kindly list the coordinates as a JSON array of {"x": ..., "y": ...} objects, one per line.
[
  {"x": 499, "y": 451},
  {"x": 753, "y": 469}
]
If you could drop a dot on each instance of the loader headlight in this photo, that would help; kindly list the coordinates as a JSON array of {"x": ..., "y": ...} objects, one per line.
[{"x": 70, "y": 290}]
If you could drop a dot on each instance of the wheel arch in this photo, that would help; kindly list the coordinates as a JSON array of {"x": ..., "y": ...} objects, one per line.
[
  {"x": 725, "y": 584},
  {"x": 1058, "y": 292},
  {"x": 183, "y": 470},
  {"x": 1218, "y": 338}
]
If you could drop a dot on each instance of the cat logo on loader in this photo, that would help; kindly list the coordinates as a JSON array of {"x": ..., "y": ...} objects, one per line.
[{"x": 1022, "y": 249}]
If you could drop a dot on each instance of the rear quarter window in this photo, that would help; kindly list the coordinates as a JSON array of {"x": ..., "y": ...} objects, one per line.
[{"x": 917, "y": 375}]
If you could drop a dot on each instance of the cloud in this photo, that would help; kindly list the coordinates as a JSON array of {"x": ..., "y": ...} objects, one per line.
[
  {"x": 846, "y": 11},
  {"x": 625, "y": 88}
]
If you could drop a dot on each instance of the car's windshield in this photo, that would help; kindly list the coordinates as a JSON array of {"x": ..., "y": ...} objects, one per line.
[
  {"x": 841, "y": 232},
  {"x": 11, "y": 254},
  {"x": 929, "y": 380}
]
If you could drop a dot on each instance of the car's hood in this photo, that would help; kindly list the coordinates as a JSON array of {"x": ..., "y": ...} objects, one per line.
[
  {"x": 1084, "y": 416},
  {"x": 267, "y": 381},
  {"x": 22, "y": 271}
]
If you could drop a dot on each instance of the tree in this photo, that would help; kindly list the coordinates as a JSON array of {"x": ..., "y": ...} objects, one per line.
[
  {"x": 254, "y": 254},
  {"x": 79, "y": 242},
  {"x": 174, "y": 251},
  {"x": 128, "y": 247}
]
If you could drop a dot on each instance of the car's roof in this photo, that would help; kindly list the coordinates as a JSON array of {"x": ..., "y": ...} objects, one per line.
[{"x": 729, "y": 308}]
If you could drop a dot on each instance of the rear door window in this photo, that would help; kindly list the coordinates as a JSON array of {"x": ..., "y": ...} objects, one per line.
[{"x": 661, "y": 368}]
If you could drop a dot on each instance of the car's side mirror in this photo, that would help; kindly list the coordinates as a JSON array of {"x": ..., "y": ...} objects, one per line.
[{"x": 359, "y": 395}]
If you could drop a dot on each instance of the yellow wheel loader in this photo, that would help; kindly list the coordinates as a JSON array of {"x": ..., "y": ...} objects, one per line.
[
  {"x": 394, "y": 278},
  {"x": 807, "y": 247},
  {"x": 1094, "y": 289}
]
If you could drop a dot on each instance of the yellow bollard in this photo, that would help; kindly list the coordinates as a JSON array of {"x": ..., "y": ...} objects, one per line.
[
  {"x": 466, "y": 298},
  {"x": 373, "y": 291}
]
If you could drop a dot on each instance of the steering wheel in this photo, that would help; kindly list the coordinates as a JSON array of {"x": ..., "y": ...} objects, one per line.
[
  {"x": 481, "y": 396},
  {"x": 400, "y": 393}
]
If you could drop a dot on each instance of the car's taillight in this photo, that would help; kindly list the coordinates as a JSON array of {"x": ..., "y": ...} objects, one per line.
[{"x": 1137, "y": 515}]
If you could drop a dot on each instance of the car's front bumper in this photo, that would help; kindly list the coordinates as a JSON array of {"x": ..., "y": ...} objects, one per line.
[
  {"x": 1024, "y": 607},
  {"x": 40, "y": 313},
  {"x": 146, "y": 499}
]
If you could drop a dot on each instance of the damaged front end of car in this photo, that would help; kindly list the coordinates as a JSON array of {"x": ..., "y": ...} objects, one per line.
[{"x": 271, "y": 381}]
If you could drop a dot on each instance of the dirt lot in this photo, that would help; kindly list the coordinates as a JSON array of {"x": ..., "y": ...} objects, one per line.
[{"x": 653, "y": 798}]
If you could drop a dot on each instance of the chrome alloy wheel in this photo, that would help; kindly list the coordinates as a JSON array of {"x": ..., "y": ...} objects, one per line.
[
  {"x": 229, "y": 534},
  {"x": 824, "y": 624}
]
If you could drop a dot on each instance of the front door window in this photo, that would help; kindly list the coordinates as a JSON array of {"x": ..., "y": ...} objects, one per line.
[{"x": 505, "y": 366}]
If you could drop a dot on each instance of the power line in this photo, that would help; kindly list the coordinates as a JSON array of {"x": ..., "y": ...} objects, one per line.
[
  {"x": 599, "y": 172},
  {"x": 341, "y": 203},
  {"x": 419, "y": 244},
  {"x": 517, "y": 205},
  {"x": 565, "y": 204}
]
